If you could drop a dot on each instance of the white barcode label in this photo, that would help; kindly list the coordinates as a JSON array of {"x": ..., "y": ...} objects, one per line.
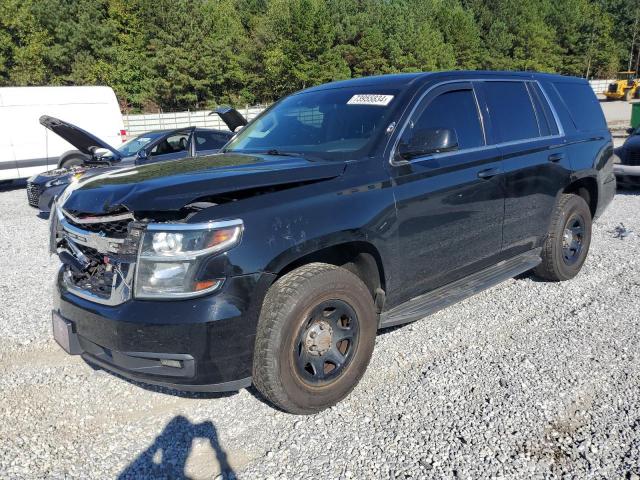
[{"x": 370, "y": 99}]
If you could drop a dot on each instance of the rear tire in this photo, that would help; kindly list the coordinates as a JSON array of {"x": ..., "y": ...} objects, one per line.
[
  {"x": 315, "y": 338},
  {"x": 567, "y": 244}
]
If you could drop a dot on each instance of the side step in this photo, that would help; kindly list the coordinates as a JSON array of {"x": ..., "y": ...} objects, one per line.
[{"x": 447, "y": 295}]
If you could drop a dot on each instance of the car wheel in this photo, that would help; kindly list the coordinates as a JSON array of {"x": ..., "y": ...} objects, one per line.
[
  {"x": 71, "y": 162},
  {"x": 315, "y": 338},
  {"x": 567, "y": 244}
]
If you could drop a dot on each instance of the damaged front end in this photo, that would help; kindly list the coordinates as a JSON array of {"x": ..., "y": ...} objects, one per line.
[
  {"x": 112, "y": 258},
  {"x": 98, "y": 254}
]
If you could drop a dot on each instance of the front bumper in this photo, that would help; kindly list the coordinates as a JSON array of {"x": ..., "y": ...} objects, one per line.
[
  {"x": 200, "y": 344},
  {"x": 627, "y": 175},
  {"x": 627, "y": 170}
]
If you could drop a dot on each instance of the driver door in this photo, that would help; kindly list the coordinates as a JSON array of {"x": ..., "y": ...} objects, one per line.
[{"x": 450, "y": 205}]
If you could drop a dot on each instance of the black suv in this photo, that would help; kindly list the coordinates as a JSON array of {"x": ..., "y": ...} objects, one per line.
[{"x": 340, "y": 210}]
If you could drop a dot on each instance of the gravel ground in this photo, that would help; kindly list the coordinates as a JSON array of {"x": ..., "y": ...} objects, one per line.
[{"x": 528, "y": 379}]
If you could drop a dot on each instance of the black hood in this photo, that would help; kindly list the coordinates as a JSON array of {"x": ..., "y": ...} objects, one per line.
[
  {"x": 79, "y": 138},
  {"x": 171, "y": 185}
]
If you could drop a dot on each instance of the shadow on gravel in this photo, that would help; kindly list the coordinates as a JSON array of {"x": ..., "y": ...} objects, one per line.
[{"x": 167, "y": 456}]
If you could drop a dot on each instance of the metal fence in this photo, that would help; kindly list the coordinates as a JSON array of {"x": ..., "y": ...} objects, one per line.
[{"x": 137, "y": 124}]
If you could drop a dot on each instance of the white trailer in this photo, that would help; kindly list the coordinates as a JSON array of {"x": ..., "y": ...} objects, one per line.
[{"x": 27, "y": 148}]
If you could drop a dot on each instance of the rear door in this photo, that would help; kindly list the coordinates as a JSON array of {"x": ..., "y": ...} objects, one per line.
[
  {"x": 534, "y": 159},
  {"x": 8, "y": 166},
  {"x": 450, "y": 205}
]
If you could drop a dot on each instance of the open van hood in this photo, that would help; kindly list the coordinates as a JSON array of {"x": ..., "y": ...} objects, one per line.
[{"x": 79, "y": 138}]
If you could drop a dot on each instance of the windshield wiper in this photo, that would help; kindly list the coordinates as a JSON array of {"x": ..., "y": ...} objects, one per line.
[{"x": 276, "y": 152}]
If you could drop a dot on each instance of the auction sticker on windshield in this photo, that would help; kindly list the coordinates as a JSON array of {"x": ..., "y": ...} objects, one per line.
[{"x": 370, "y": 99}]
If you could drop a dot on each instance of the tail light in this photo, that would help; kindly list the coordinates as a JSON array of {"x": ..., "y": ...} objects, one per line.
[{"x": 123, "y": 135}]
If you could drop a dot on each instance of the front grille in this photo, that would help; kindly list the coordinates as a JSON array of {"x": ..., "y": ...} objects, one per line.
[
  {"x": 92, "y": 254},
  {"x": 99, "y": 258},
  {"x": 634, "y": 158},
  {"x": 117, "y": 229},
  {"x": 33, "y": 194},
  {"x": 613, "y": 88}
]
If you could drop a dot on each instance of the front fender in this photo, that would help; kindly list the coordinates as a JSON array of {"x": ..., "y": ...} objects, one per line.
[{"x": 282, "y": 227}]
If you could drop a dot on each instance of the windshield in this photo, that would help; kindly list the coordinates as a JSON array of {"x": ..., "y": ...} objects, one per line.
[
  {"x": 329, "y": 124},
  {"x": 131, "y": 147}
]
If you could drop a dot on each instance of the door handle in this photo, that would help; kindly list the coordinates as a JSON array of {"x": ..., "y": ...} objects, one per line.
[
  {"x": 556, "y": 157},
  {"x": 489, "y": 173}
]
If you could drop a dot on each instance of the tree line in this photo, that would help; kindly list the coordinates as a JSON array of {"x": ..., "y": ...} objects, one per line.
[{"x": 191, "y": 54}]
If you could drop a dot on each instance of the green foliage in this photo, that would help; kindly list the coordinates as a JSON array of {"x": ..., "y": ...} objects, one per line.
[{"x": 179, "y": 54}]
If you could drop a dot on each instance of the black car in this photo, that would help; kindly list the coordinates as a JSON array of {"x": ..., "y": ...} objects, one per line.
[
  {"x": 340, "y": 210},
  {"x": 627, "y": 169},
  {"x": 150, "y": 147}
]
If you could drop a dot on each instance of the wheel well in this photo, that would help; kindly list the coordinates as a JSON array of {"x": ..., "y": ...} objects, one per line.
[
  {"x": 360, "y": 258},
  {"x": 587, "y": 188},
  {"x": 70, "y": 155}
]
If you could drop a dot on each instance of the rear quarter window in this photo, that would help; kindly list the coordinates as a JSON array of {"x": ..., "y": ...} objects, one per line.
[{"x": 582, "y": 104}]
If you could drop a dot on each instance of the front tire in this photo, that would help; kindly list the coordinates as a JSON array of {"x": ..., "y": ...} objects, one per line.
[
  {"x": 73, "y": 161},
  {"x": 315, "y": 338},
  {"x": 567, "y": 244}
]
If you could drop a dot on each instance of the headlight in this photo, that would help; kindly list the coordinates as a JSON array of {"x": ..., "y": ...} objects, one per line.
[{"x": 171, "y": 254}]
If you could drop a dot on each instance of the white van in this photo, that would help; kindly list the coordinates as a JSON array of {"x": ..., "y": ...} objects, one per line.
[{"x": 27, "y": 148}]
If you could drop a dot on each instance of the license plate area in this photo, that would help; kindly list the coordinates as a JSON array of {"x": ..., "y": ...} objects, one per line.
[{"x": 64, "y": 335}]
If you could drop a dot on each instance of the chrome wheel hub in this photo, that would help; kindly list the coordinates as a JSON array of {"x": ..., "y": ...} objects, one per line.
[{"x": 318, "y": 338}]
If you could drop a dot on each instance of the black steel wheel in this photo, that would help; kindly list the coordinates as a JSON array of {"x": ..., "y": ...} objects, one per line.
[
  {"x": 573, "y": 239},
  {"x": 326, "y": 342},
  {"x": 315, "y": 337},
  {"x": 566, "y": 246}
]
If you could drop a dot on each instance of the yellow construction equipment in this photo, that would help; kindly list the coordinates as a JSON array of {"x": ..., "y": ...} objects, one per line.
[{"x": 626, "y": 87}]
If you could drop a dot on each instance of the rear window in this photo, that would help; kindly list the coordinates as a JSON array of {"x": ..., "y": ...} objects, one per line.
[
  {"x": 583, "y": 105},
  {"x": 512, "y": 113}
]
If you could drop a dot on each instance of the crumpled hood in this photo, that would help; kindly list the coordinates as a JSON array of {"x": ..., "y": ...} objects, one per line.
[{"x": 172, "y": 185}]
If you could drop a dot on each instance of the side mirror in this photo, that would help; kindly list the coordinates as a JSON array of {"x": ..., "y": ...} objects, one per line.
[
  {"x": 631, "y": 131},
  {"x": 429, "y": 141}
]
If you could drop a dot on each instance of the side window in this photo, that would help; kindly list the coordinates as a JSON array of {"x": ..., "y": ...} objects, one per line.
[
  {"x": 172, "y": 144},
  {"x": 456, "y": 110},
  {"x": 210, "y": 140},
  {"x": 512, "y": 113}
]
